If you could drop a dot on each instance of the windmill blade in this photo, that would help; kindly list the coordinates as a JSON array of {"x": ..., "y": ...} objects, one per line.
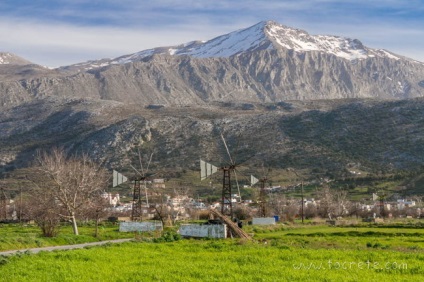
[
  {"x": 237, "y": 148},
  {"x": 263, "y": 169},
  {"x": 145, "y": 192},
  {"x": 147, "y": 197},
  {"x": 245, "y": 160},
  {"x": 202, "y": 170},
  {"x": 136, "y": 170},
  {"x": 118, "y": 178},
  {"x": 253, "y": 180},
  {"x": 141, "y": 164},
  {"x": 150, "y": 160},
  {"x": 156, "y": 173},
  {"x": 238, "y": 187},
  {"x": 206, "y": 169},
  {"x": 228, "y": 151},
  {"x": 375, "y": 197}
]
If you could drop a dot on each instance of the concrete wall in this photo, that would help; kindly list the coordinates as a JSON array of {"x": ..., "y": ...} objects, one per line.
[
  {"x": 263, "y": 221},
  {"x": 201, "y": 231},
  {"x": 140, "y": 226}
]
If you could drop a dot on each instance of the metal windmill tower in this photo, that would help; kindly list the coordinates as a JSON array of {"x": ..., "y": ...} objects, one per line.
[
  {"x": 207, "y": 169},
  {"x": 262, "y": 193},
  {"x": 138, "y": 180},
  {"x": 382, "y": 197}
]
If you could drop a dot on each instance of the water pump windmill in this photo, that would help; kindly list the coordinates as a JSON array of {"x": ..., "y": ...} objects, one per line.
[
  {"x": 138, "y": 180},
  {"x": 262, "y": 193},
  {"x": 207, "y": 169},
  {"x": 382, "y": 195}
]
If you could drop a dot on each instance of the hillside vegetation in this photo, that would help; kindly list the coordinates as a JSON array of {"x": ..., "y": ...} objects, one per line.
[{"x": 338, "y": 139}]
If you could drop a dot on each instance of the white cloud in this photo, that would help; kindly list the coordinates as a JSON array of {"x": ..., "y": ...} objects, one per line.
[{"x": 61, "y": 44}]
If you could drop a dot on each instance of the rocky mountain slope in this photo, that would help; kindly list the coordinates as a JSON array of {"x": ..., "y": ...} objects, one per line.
[
  {"x": 324, "y": 136},
  {"x": 267, "y": 62},
  {"x": 287, "y": 98}
]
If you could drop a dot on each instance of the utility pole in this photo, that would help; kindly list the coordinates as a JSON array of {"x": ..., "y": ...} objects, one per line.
[
  {"x": 301, "y": 187},
  {"x": 382, "y": 198},
  {"x": 303, "y": 202},
  {"x": 20, "y": 203}
]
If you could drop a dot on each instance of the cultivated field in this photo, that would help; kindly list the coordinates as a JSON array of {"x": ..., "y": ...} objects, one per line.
[{"x": 278, "y": 253}]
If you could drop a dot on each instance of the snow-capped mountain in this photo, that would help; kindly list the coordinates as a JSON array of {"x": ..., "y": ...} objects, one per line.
[
  {"x": 266, "y": 35},
  {"x": 267, "y": 62}
]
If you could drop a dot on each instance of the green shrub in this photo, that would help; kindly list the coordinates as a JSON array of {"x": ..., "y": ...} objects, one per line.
[{"x": 168, "y": 236}]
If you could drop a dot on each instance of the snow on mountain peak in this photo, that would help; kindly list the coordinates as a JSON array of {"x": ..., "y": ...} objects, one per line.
[
  {"x": 230, "y": 44},
  {"x": 249, "y": 39},
  {"x": 264, "y": 35},
  {"x": 301, "y": 41},
  {"x": 267, "y": 35},
  {"x": 5, "y": 58}
]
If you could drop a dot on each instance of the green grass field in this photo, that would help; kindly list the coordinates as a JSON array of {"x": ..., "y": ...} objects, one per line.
[
  {"x": 280, "y": 253},
  {"x": 16, "y": 237}
]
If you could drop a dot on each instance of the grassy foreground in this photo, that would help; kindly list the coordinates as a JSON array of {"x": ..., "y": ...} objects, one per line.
[
  {"x": 190, "y": 260},
  {"x": 16, "y": 237},
  {"x": 313, "y": 253}
]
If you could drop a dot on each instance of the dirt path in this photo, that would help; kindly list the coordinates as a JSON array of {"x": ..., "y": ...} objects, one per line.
[{"x": 65, "y": 247}]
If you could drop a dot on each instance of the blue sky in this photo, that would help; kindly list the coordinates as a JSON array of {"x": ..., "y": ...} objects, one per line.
[{"x": 63, "y": 32}]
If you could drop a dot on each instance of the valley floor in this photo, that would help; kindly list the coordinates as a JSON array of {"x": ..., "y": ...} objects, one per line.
[{"x": 277, "y": 253}]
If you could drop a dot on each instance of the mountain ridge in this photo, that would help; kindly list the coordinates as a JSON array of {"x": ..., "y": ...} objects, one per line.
[
  {"x": 265, "y": 35},
  {"x": 267, "y": 62},
  {"x": 261, "y": 76}
]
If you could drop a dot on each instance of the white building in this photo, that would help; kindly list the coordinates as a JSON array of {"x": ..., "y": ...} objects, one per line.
[
  {"x": 402, "y": 204},
  {"x": 113, "y": 199}
]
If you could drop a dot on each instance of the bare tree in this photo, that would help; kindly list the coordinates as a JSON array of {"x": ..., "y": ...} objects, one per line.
[
  {"x": 95, "y": 210},
  {"x": 326, "y": 205},
  {"x": 242, "y": 212},
  {"x": 333, "y": 203},
  {"x": 277, "y": 204},
  {"x": 311, "y": 211},
  {"x": 163, "y": 211},
  {"x": 44, "y": 209},
  {"x": 73, "y": 182},
  {"x": 418, "y": 199},
  {"x": 286, "y": 208},
  {"x": 291, "y": 210}
]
